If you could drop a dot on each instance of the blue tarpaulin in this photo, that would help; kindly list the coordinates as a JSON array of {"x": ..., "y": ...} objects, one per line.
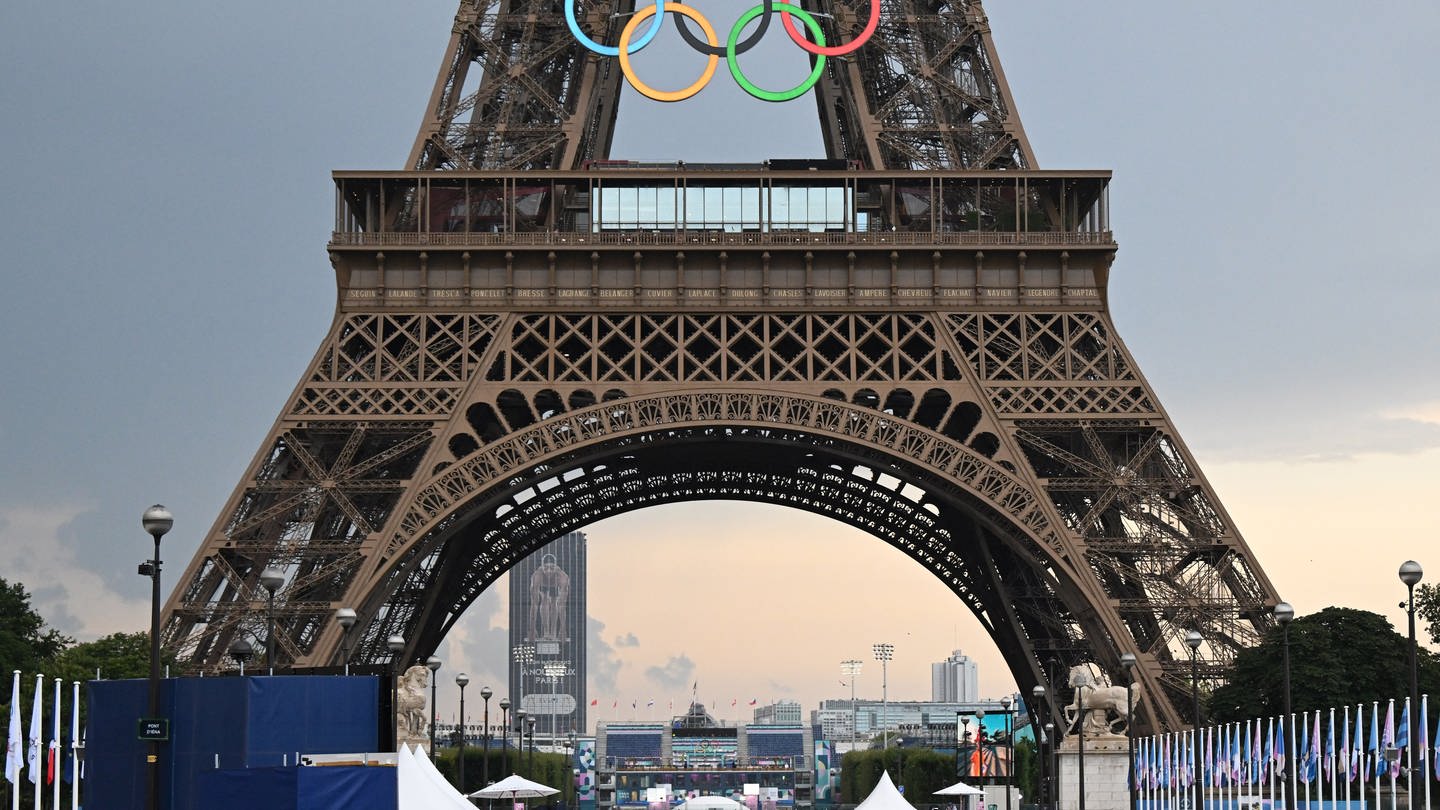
[
  {"x": 252, "y": 722},
  {"x": 327, "y": 788}
]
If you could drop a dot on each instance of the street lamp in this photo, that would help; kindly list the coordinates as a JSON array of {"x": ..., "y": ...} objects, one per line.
[
  {"x": 1038, "y": 693},
  {"x": 530, "y": 763},
  {"x": 157, "y": 521},
  {"x": 505, "y": 738},
  {"x": 433, "y": 664},
  {"x": 346, "y": 617},
  {"x": 485, "y": 694},
  {"x": 461, "y": 680},
  {"x": 240, "y": 652},
  {"x": 1284, "y": 614},
  {"x": 1006, "y": 702},
  {"x": 1193, "y": 639},
  {"x": 851, "y": 670},
  {"x": 271, "y": 579},
  {"x": 1053, "y": 765},
  {"x": 396, "y": 644},
  {"x": 1410, "y": 574},
  {"x": 980, "y": 741},
  {"x": 965, "y": 737},
  {"x": 520, "y": 715},
  {"x": 884, "y": 653},
  {"x": 1127, "y": 660}
]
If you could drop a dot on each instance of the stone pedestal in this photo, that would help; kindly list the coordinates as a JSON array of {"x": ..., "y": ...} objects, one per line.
[{"x": 1107, "y": 773}]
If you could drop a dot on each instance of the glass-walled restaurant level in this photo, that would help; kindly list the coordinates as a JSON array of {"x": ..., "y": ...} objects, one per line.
[{"x": 465, "y": 207}]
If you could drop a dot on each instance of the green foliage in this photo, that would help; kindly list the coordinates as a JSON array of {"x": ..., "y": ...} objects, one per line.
[
  {"x": 922, "y": 772},
  {"x": 25, "y": 643},
  {"x": 1427, "y": 607},
  {"x": 1338, "y": 656},
  {"x": 547, "y": 769},
  {"x": 1027, "y": 770},
  {"x": 116, "y": 656}
]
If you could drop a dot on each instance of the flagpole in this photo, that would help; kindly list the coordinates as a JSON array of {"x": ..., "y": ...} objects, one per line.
[
  {"x": 14, "y": 763},
  {"x": 1330, "y": 758},
  {"x": 1390, "y": 767},
  {"x": 54, "y": 773},
  {"x": 1426, "y": 743},
  {"x": 74, "y": 750},
  {"x": 37, "y": 724}
]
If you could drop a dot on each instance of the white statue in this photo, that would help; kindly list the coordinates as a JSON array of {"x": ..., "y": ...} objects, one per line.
[
  {"x": 1101, "y": 701},
  {"x": 411, "y": 725}
]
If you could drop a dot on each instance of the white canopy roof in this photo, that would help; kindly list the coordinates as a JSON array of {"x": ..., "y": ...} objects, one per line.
[
  {"x": 421, "y": 787},
  {"x": 885, "y": 796},
  {"x": 710, "y": 803},
  {"x": 960, "y": 789}
]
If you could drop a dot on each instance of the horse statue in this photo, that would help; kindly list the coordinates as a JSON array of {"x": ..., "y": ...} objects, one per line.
[
  {"x": 410, "y": 700},
  {"x": 1101, "y": 700}
]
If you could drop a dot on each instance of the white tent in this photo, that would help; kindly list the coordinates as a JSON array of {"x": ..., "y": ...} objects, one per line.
[
  {"x": 710, "y": 803},
  {"x": 421, "y": 787},
  {"x": 960, "y": 789},
  {"x": 885, "y": 796}
]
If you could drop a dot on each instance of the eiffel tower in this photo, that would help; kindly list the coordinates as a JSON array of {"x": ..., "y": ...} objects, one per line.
[{"x": 909, "y": 335}]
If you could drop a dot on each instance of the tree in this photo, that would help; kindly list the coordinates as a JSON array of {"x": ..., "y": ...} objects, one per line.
[
  {"x": 116, "y": 656},
  {"x": 25, "y": 642},
  {"x": 1427, "y": 607},
  {"x": 1338, "y": 656}
]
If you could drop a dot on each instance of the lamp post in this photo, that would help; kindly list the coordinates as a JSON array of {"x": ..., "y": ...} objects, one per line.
[
  {"x": 505, "y": 738},
  {"x": 965, "y": 771},
  {"x": 433, "y": 664},
  {"x": 346, "y": 618},
  {"x": 485, "y": 694},
  {"x": 520, "y": 763},
  {"x": 1284, "y": 614},
  {"x": 883, "y": 654},
  {"x": 980, "y": 740},
  {"x": 1127, "y": 660},
  {"x": 530, "y": 762},
  {"x": 1193, "y": 639},
  {"x": 270, "y": 579},
  {"x": 1038, "y": 693},
  {"x": 1053, "y": 764},
  {"x": 1006, "y": 702},
  {"x": 240, "y": 652},
  {"x": 1410, "y": 574},
  {"x": 461, "y": 680},
  {"x": 960, "y": 723},
  {"x": 851, "y": 670},
  {"x": 396, "y": 644},
  {"x": 157, "y": 521}
]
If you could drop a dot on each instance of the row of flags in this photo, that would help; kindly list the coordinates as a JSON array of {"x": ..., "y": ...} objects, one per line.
[
  {"x": 650, "y": 704},
  {"x": 1257, "y": 752},
  {"x": 34, "y": 757}
]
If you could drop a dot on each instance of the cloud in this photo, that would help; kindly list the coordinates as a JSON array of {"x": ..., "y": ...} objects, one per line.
[
  {"x": 477, "y": 646},
  {"x": 783, "y": 688},
  {"x": 601, "y": 663},
  {"x": 1425, "y": 413},
  {"x": 676, "y": 674},
  {"x": 71, "y": 598},
  {"x": 627, "y": 640}
]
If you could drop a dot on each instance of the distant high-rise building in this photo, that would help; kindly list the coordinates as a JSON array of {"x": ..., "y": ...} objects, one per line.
[
  {"x": 780, "y": 713},
  {"x": 955, "y": 680},
  {"x": 547, "y": 636}
]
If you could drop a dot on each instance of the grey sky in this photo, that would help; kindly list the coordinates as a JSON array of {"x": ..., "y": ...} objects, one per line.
[{"x": 168, "y": 205}]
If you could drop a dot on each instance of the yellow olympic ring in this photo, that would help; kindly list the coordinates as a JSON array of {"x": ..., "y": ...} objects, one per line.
[{"x": 661, "y": 95}]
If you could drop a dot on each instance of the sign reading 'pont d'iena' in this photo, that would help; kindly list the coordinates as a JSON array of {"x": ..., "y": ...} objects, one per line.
[{"x": 711, "y": 48}]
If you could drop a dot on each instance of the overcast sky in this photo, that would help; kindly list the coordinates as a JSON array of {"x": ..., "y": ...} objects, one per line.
[{"x": 168, "y": 203}]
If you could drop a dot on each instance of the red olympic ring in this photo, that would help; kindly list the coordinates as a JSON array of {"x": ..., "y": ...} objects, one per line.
[{"x": 838, "y": 50}]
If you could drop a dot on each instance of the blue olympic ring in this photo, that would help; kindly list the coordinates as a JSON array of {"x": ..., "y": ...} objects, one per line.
[{"x": 611, "y": 50}]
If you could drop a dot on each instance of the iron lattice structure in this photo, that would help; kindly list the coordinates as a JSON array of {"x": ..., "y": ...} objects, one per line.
[{"x": 524, "y": 345}]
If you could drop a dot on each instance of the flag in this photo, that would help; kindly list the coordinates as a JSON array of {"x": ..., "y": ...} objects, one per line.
[
  {"x": 615, "y": 705},
  {"x": 1345, "y": 747},
  {"x": 1277, "y": 749},
  {"x": 634, "y": 704},
  {"x": 13, "y": 743},
  {"x": 32, "y": 752},
  {"x": 734, "y": 702},
  {"x": 50, "y": 762},
  {"x": 1402, "y": 734},
  {"x": 1374, "y": 747},
  {"x": 1387, "y": 741},
  {"x": 1330, "y": 746},
  {"x": 649, "y": 703},
  {"x": 1237, "y": 763},
  {"x": 1252, "y": 734},
  {"x": 595, "y": 702},
  {"x": 1312, "y": 757},
  {"x": 753, "y": 701}
]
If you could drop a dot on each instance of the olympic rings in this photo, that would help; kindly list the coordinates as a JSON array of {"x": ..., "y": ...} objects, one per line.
[
  {"x": 711, "y": 62},
  {"x": 770, "y": 95},
  {"x": 610, "y": 50},
  {"x": 711, "y": 48}
]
